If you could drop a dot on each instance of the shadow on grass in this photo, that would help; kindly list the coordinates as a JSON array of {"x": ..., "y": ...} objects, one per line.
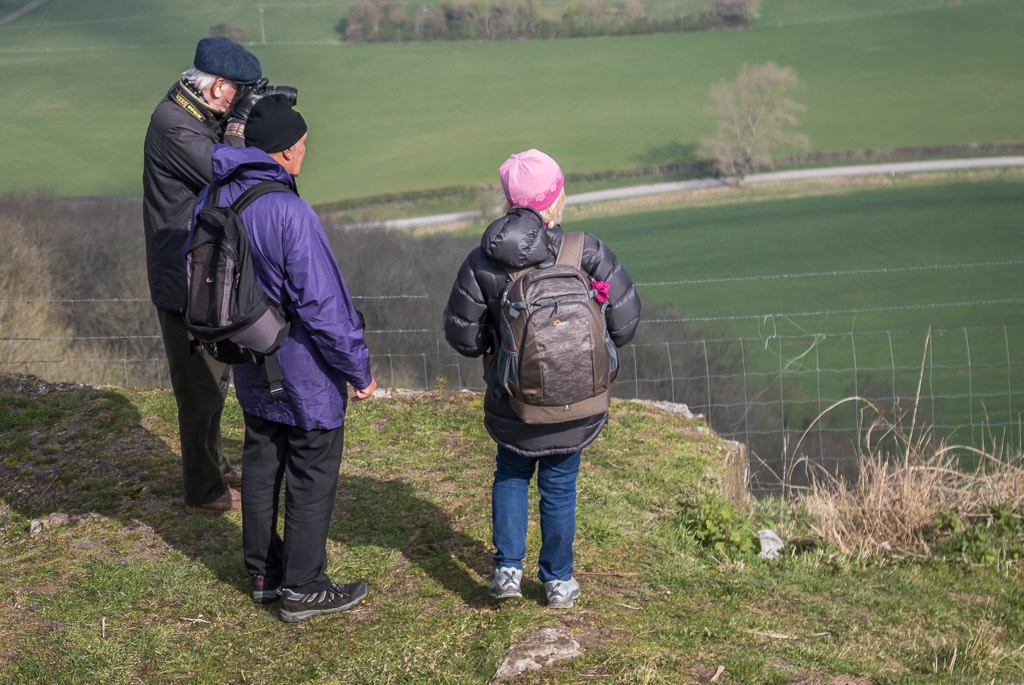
[
  {"x": 70, "y": 451},
  {"x": 73, "y": 451},
  {"x": 391, "y": 514}
]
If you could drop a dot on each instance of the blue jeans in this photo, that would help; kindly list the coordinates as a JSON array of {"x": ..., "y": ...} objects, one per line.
[{"x": 556, "y": 482}]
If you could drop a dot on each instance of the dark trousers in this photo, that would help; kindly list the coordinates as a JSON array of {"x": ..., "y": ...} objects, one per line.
[
  {"x": 308, "y": 462},
  {"x": 197, "y": 380}
]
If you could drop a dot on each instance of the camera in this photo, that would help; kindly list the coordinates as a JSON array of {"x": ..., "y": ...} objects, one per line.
[
  {"x": 247, "y": 98},
  {"x": 289, "y": 92}
]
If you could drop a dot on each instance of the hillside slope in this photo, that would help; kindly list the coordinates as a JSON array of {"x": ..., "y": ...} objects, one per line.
[
  {"x": 390, "y": 118},
  {"x": 110, "y": 582}
]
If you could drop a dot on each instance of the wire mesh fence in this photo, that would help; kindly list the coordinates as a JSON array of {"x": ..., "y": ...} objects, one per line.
[{"x": 785, "y": 397}]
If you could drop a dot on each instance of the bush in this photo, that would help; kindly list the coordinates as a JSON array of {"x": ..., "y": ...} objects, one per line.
[
  {"x": 230, "y": 31},
  {"x": 719, "y": 526}
]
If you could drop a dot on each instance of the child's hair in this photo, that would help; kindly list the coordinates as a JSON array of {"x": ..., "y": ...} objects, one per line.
[{"x": 551, "y": 216}]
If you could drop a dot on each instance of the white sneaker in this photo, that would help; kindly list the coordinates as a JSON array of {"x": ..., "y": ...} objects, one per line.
[
  {"x": 561, "y": 593},
  {"x": 507, "y": 583}
]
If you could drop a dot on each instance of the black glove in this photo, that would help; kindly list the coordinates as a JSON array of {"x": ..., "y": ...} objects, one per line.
[{"x": 234, "y": 134}]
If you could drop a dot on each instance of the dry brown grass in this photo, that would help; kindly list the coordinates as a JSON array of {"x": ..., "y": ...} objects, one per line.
[
  {"x": 905, "y": 481},
  {"x": 32, "y": 331}
]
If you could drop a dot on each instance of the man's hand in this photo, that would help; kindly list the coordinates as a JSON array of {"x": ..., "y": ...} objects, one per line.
[
  {"x": 241, "y": 110},
  {"x": 247, "y": 100},
  {"x": 365, "y": 392}
]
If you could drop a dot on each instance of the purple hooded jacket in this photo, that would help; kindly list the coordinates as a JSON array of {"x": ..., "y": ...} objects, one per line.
[{"x": 295, "y": 265}]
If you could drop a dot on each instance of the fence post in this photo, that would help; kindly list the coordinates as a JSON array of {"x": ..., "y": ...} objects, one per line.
[
  {"x": 707, "y": 375},
  {"x": 817, "y": 378},
  {"x": 970, "y": 383},
  {"x": 636, "y": 374},
  {"x": 437, "y": 344},
  {"x": 892, "y": 360},
  {"x": 782, "y": 423},
  {"x": 931, "y": 376},
  {"x": 1009, "y": 383},
  {"x": 856, "y": 387},
  {"x": 746, "y": 401},
  {"x": 671, "y": 371}
]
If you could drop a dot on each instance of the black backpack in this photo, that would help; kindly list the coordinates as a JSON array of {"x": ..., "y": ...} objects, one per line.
[{"x": 227, "y": 312}]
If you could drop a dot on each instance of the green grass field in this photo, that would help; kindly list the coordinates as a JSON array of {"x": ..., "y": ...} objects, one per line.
[
  {"x": 850, "y": 284},
  {"x": 414, "y": 116},
  {"x": 897, "y": 246}
]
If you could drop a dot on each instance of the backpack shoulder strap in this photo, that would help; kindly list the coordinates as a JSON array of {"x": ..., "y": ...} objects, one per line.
[
  {"x": 571, "y": 250},
  {"x": 212, "y": 196},
  {"x": 257, "y": 190}
]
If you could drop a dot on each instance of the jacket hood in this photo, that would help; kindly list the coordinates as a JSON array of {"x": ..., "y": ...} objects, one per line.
[
  {"x": 519, "y": 239},
  {"x": 247, "y": 163}
]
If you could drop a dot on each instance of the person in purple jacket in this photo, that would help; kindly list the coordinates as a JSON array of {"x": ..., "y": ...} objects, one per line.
[{"x": 297, "y": 438}]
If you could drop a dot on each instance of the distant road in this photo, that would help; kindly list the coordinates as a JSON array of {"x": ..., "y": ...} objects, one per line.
[{"x": 771, "y": 177}]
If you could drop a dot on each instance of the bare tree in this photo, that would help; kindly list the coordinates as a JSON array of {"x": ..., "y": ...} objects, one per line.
[{"x": 755, "y": 119}]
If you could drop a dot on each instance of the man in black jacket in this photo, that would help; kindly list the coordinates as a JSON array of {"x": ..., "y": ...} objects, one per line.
[{"x": 177, "y": 165}]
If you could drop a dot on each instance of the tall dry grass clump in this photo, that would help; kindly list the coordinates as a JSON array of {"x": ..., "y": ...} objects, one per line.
[
  {"x": 906, "y": 480},
  {"x": 69, "y": 274},
  {"x": 32, "y": 330}
]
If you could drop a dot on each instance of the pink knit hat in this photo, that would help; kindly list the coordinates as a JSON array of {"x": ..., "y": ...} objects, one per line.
[{"x": 531, "y": 179}]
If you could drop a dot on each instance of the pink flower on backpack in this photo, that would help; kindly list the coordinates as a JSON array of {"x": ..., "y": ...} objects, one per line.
[{"x": 601, "y": 291}]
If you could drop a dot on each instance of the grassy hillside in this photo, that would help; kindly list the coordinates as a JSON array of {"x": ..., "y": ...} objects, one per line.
[
  {"x": 398, "y": 117},
  {"x": 109, "y": 582}
]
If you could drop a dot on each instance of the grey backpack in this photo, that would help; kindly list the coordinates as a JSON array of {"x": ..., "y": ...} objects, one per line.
[{"x": 554, "y": 357}]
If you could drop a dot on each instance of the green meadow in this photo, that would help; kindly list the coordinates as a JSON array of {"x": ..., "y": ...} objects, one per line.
[
  {"x": 789, "y": 259},
  {"x": 81, "y": 83},
  {"x": 835, "y": 295}
]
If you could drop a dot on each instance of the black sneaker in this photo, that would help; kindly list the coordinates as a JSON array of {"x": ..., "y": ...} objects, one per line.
[
  {"x": 297, "y": 607},
  {"x": 265, "y": 591}
]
